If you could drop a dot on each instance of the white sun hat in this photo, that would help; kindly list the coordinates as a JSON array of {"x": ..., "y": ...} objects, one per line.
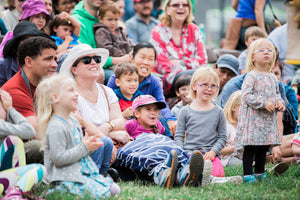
[{"x": 79, "y": 51}]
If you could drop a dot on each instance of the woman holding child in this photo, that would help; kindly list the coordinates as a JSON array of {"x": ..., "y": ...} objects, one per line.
[{"x": 178, "y": 42}]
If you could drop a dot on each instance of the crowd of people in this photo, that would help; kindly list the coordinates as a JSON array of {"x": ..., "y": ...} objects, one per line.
[{"x": 85, "y": 97}]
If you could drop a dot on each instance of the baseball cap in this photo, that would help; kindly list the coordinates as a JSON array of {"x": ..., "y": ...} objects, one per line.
[
  {"x": 230, "y": 62},
  {"x": 143, "y": 100}
]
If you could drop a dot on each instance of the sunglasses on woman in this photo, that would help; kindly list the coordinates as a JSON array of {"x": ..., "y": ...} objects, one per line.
[
  {"x": 177, "y": 5},
  {"x": 87, "y": 60}
]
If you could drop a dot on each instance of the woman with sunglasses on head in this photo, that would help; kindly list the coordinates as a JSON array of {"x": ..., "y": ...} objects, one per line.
[
  {"x": 97, "y": 104},
  {"x": 178, "y": 42}
]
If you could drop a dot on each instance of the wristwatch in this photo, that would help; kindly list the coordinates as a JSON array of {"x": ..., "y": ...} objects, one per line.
[{"x": 112, "y": 125}]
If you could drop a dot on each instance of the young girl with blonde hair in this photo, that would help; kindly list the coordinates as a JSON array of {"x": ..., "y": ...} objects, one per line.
[
  {"x": 66, "y": 150},
  {"x": 202, "y": 124},
  {"x": 230, "y": 156},
  {"x": 258, "y": 125}
]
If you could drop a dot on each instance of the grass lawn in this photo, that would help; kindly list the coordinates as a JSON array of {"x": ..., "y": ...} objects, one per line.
[{"x": 286, "y": 186}]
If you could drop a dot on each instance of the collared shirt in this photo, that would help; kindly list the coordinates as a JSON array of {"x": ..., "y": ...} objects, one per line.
[{"x": 140, "y": 31}]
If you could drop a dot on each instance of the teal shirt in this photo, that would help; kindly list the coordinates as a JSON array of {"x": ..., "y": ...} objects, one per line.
[{"x": 86, "y": 34}]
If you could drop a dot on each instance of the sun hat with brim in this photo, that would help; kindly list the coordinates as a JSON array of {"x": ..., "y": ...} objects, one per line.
[
  {"x": 79, "y": 51},
  {"x": 228, "y": 61},
  {"x": 22, "y": 29},
  {"x": 34, "y": 7},
  {"x": 143, "y": 100}
]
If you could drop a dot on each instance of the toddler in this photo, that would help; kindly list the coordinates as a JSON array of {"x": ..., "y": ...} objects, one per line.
[
  {"x": 65, "y": 30},
  {"x": 230, "y": 157},
  {"x": 127, "y": 79},
  {"x": 258, "y": 124},
  {"x": 202, "y": 124},
  {"x": 252, "y": 33},
  {"x": 107, "y": 32},
  {"x": 66, "y": 151},
  {"x": 182, "y": 89}
]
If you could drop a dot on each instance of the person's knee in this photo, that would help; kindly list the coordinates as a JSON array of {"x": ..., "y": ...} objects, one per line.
[
  {"x": 14, "y": 140},
  {"x": 107, "y": 141}
]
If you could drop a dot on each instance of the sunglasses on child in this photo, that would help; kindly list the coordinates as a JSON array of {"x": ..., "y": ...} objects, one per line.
[{"x": 87, "y": 60}]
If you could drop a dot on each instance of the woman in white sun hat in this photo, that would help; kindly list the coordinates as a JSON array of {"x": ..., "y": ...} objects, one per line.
[{"x": 97, "y": 104}]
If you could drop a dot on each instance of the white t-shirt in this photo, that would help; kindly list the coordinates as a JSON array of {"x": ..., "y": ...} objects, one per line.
[{"x": 97, "y": 113}]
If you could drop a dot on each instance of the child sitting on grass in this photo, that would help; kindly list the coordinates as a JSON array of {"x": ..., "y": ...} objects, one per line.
[
  {"x": 252, "y": 33},
  {"x": 66, "y": 150},
  {"x": 182, "y": 89},
  {"x": 65, "y": 30},
  {"x": 16, "y": 178},
  {"x": 127, "y": 79},
  {"x": 229, "y": 155}
]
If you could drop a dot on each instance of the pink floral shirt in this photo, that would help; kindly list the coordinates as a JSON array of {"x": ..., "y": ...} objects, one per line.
[{"x": 191, "y": 50}]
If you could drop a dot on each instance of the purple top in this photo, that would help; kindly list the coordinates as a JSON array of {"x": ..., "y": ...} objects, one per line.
[
  {"x": 9, "y": 35},
  {"x": 134, "y": 129}
]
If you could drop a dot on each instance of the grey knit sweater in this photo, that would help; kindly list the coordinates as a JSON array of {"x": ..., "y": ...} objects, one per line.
[{"x": 205, "y": 130}]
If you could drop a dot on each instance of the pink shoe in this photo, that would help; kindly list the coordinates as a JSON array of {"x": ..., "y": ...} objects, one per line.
[{"x": 13, "y": 193}]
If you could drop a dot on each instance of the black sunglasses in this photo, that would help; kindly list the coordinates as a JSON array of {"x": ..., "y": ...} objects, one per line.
[
  {"x": 87, "y": 60},
  {"x": 177, "y": 5}
]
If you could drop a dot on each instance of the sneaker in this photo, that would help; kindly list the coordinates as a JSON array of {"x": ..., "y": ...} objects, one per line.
[
  {"x": 191, "y": 173},
  {"x": 166, "y": 175},
  {"x": 113, "y": 173},
  {"x": 261, "y": 177},
  {"x": 250, "y": 179},
  {"x": 206, "y": 173},
  {"x": 231, "y": 179},
  {"x": 279, "y": 168}
]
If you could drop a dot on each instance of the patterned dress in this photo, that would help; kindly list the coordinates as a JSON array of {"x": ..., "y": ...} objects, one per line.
[
  {"x": 191, "y": 50},
  {"x": 96, "y": 185},
  {"x": 256, "y": 125}
]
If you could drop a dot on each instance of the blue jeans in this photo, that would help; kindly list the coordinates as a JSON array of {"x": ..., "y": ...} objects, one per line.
[{"x": 103, "y": 154}]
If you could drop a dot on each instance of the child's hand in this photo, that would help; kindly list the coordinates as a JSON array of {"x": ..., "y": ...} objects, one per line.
[
  {"x": 210, "y": 155},
  {"x": 5, "y": 99},
  {"x": 68, "y": 38},
  {"x": 92, "y": 143},
  {"x": 280, "y": 106},
  {"x": 64, "y": 15},
  {"x": 127, "y": 113},
  {"x": 269, "y": 106}
]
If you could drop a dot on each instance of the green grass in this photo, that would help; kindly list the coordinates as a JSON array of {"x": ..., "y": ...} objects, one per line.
[{"x": 286, "y": 186}]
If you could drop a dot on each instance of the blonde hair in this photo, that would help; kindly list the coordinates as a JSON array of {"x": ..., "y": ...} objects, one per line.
[
  {"x": 235, "y": 99},
  {"x": 44, "y": 90},
  {"x": 250, "y": 65},
  {"x": 203, "y": 74},
  {"x": 166, "y": 19}
]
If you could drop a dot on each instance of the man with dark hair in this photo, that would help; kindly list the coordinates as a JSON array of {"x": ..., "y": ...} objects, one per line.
[
  {"x": 8, "y": 64},
  {"x": 142, "y": 23},
  {"x": 37, "y": 59}
]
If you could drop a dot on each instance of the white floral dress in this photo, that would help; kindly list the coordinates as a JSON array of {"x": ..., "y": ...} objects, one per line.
[{"x": 256, "y": 125}]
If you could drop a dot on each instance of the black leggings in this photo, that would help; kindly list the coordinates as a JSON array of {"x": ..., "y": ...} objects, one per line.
[{"x": 260, "y": 158}]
